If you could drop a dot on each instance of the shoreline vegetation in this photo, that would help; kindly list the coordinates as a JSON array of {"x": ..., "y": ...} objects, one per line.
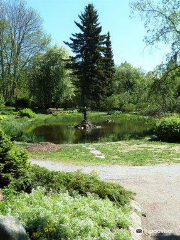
[{"x": 20, "y": 128}]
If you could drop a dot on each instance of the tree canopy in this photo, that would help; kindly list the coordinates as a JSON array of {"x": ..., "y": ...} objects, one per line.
[
  {"x": 50, "y": 80},
  {"x": 21, "y": 37},
  {"x": 162, "y": 23},
  {"x": 89, "y": 62}
]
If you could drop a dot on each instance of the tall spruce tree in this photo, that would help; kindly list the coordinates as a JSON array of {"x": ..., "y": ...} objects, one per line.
[
  {"x": 108, "y": 66},
  {"x": 88, "y": 62}
]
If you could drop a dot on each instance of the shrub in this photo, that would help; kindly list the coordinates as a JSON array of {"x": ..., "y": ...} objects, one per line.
[
  {"x": 152, "y": 110},
  {"x": 15, "y": 128},
  {"x": 7, "y": 111},
  {"x": 11, "y": 102},
  {"x": 56, "y": 114},
  {"x": 73, "y": 182},
  {"x": 74, "y": 111},
  {"x": 168, "y": 129},
  {"x": 129, "y": 107},
  {"x": 2, "y": 117},
  {"x": 110, "y": 103},
  {"x": 26, "y": 113},
  {"x": 13, "y": 162},
  {"x": 61, "y": 216},
  {"x": 30, "y": 138}
]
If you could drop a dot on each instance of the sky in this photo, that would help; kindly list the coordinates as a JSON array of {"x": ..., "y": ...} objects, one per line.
[{"x": 114, "y": 16}]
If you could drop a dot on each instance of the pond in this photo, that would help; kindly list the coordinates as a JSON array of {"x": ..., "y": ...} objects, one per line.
[{"x": 64, "y": 132}]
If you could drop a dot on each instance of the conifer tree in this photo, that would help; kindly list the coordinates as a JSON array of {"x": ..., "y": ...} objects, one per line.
[
  {"x": 88, "y": 62},
  {"x": 108, "y": 65}
]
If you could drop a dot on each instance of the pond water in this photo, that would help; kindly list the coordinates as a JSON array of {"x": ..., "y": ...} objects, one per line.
[{"x": 64, "y": 132}]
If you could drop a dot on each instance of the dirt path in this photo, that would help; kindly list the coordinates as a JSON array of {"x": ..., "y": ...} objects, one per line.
[{"x": 157, "y": 188}]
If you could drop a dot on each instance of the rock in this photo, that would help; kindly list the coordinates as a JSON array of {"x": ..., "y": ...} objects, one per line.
[
  {"x": 85, "y": 125},
  {"x": 11, "y": 229},
  {"x": 1, "y": 196},
  {"x": 136, "y": 206}
]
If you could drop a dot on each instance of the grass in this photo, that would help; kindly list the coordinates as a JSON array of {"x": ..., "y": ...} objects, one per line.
[
  {"x": 132, "y": 152},
  {"x": 127, "y": 153}
]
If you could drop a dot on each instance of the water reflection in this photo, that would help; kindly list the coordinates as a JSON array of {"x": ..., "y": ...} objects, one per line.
[{"x": 64, "y": 132}]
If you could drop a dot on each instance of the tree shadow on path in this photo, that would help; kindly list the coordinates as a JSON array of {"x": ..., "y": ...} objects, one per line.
[{"x": 163, "y": 236}]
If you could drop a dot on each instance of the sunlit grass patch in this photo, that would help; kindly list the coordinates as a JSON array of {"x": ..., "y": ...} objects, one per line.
[{"x": 134, "y": 153}]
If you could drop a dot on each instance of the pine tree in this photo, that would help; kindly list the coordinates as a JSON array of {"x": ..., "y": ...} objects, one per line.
[
  {"x": 88, "y": 62},
  {"x": 108, "y": 66}
]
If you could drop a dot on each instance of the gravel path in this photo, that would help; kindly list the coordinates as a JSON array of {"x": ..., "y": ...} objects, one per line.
[{"x": 157, "y": 188}]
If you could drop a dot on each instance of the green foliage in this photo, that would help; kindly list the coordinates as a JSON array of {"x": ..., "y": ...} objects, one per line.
[
  {"x": 26, "y": 112},
  {"x": 61, "y": 216},
  {"x": 7, "y": 111},
  {"x": 111, "y": 102},
  {"x": 129, "y": 107},
  {"x": 2, "y": 101},
  {"x": 168, "y": 129},
  {"x": 161, "y": 20},
  {"x": 13, "y": 162},
  {"x": 30, "y": 138},
  {"x": 15, "y": 128},
  {"x": 108, "y": 68},
  {"x": 19, "y": 47},
  {"x": 152, "y": 109},
  {"x": 50, "y": 80},
  {"x": 66, "y": 113},
  {"x": 131, "y": 87},
  {"x": 55, "y": 114},
  {"x": 2, "y": 117},
  {"x": 92, "y": 62},
  {"x": 78, "y": 182}
]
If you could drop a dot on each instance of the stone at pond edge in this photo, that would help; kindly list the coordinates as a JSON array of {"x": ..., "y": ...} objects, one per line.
[{"x": 11, "y": 229}]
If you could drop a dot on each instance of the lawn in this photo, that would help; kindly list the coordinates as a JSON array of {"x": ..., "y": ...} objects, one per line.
[{"x": 130, "y": 153}]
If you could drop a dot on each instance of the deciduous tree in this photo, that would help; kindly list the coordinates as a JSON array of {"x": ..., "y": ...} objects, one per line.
[
  {"x": 50, "y": 80},
  {"x": 21, "y": 37},
  {"x": 163, "y": 25}
]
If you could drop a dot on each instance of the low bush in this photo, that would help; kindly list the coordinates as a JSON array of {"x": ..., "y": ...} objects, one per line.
[
  {"x": 15, "y": 128},
  {"x": 13, "y": 162},
  {"x": 152, "y": 110},
  {"x": 129, "y": 107},
  {"x": 30, "y": 138},
  {"x": 168, "y": 129},
  {"x": 2, "y": 117},
  {"x": 8, "y": 111},
  {"x": 26, "y": 113},
  {"x": 73, "y": 182},
  {"x": 61, "y": 216},
  {"x": 55, "y": 114}
]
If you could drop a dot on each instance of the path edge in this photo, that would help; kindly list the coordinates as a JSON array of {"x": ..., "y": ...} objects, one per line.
[{"x": 136, "y": 221}]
